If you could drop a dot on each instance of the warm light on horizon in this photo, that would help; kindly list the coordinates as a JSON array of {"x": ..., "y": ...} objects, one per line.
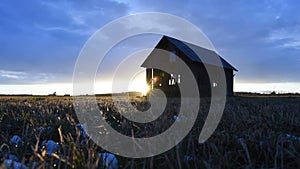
[
  {"x": 138, "y": 85},
  {"x": 284, "y": 87}
]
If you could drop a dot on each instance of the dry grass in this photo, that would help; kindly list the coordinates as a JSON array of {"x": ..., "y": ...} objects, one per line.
[{"x": 255, "y": 132}]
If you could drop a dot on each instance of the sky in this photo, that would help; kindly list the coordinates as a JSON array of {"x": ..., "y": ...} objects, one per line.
[{"x": 41, "y": 40}]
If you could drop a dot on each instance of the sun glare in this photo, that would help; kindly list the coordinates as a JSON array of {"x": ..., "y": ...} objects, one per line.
[
  {"x": 138, "y": 84},
  {"x": 145, "y": 90}
]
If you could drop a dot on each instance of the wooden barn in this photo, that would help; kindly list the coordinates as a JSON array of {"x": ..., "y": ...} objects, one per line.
[{"x": 197, "y": 58}]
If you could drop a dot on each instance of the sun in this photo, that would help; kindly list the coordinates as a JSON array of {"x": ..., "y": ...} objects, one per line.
[
  {"x": 138, "y": 84},
  {"x": 145, "y": 90}
]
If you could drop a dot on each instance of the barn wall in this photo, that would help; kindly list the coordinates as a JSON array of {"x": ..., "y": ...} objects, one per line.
[
  {"x": 148, "y": 76},
  {"x": 229, "y": 81},
  {"x": 203, "y": 80},
  {"x": 200, "y": 75}
]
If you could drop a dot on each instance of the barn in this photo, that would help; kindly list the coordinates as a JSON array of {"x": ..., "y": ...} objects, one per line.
[{"x": 197, "y": 58}]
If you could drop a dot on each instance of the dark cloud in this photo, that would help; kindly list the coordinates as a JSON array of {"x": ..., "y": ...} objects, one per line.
[
  {"x": 260, "y": 38},
  {"x": 242, "y": 31},
  {"x": 46, "y": 36}
]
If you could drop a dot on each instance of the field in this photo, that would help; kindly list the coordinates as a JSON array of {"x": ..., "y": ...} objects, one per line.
[{"x": 255, "y": 132}]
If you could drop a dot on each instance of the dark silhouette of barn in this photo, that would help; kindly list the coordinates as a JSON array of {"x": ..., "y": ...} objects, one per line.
[{"x": 197, "y": 58}]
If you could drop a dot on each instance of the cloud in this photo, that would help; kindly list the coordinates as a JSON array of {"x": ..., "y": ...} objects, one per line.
[
  {"x": 261, "y": 39},
  {"x": 74, "y": 31},
  {"x": 90, "y": 13},
  {"x": 12, "y": 74},
  {"x": 22, "y": 77},
  {"x": 287, "y": 37},
  {"x": 47, "y": 36}
]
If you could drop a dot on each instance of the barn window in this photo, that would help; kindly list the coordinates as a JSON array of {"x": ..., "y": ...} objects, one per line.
[
  {"x": 172, "y": 80},
  {"x": 178, "y": 79}
]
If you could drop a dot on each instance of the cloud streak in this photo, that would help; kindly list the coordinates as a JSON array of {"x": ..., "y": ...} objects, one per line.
[
  {"x": 12, "y": 74},
  {"x": 19, "y": 77}
]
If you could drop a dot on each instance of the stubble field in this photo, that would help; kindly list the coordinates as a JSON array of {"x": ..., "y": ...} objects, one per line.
[{"x": 254, "y": 132}]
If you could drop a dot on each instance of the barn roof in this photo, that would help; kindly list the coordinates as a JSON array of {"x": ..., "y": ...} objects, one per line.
[{"x": 197, "y": 53}]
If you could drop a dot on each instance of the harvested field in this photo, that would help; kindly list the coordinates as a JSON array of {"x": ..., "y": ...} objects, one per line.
[{"x": 255, "y": 132}]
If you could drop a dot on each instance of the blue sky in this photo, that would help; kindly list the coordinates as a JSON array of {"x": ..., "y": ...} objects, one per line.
[{"x": 40, "y": 40}]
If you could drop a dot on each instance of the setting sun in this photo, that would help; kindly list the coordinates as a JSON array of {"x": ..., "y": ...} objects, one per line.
[{"x": 139, "y": 84}]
